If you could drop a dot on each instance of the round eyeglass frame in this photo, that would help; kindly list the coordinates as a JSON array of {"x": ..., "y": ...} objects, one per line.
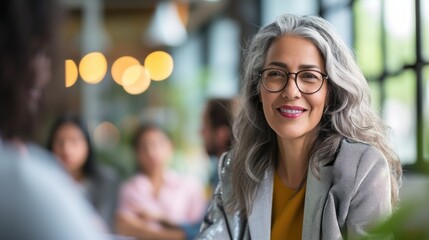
[{"x": 324, "y": 77}]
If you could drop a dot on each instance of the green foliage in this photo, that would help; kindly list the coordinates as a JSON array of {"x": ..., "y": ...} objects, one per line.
[
  {"x": 367, "y": 39},
  {"x": 410, "y": 221},
  {"x": 402, "y": 88}
]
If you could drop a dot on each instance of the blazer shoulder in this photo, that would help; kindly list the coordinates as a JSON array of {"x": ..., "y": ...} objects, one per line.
[
  {"x": 357, "y": 151},
  {"x": 355, "y": 160}
]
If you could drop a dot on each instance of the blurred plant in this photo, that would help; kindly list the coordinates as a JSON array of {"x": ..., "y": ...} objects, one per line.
[{"x": 410, "y": 221}]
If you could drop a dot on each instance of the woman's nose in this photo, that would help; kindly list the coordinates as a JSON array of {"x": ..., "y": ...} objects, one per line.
[{"x": 291, "y": 90}]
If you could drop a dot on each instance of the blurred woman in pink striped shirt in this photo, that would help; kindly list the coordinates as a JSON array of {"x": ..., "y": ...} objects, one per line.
[{"x": 156, "y": 201}]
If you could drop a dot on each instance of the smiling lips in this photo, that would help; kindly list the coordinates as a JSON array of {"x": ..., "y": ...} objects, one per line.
[{"x": 291, "y": 112}]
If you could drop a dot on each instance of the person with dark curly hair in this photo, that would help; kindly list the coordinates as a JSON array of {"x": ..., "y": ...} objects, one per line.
[{"x": 37, "y": 198}]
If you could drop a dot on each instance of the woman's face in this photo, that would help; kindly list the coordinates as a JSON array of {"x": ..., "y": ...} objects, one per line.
[
  {"x": 153, "y": 151},
  {"x": 290, "y": 113},
  {"x": 71, "y": 147}
]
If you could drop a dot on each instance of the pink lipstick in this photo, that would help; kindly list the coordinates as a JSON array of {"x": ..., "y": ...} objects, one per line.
[{"x": 291, "y": 112}]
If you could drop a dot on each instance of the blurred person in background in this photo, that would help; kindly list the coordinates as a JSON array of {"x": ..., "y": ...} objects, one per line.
[
  {"x": 69, "y": 140},
  {"x": 37, "y": 198},
  {"x": 216, "y": 132},
  {"x": 156, "y": 202},
  {"x": 310, "y": 158}
]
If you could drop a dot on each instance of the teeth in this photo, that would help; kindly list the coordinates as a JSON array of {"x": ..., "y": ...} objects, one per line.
[{"x": 290, "y": 111}]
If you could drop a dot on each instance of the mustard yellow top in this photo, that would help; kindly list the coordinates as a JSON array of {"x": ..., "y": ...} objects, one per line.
[{"x": 288, "y": 211}]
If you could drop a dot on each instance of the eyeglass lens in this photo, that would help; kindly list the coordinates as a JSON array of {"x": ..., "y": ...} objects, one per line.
[{"x": 307, "y": 81}]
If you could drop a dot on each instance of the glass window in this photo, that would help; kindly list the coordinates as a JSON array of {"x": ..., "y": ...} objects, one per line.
[
  {"x": 374, "y": 86},
  {"x": 273, "y": 8},
  {"x": 368, "y": 36},
  {"x": 334, "y": 3},
  {"x": 400, "y": 33},
  {"x": 399, "y": 113},
  {"x": 425, "y": 28},
  {"x": 426, "y": 113},
  {"x": 185, "y": 94},
  {"x": 224, "y": 52},
  {"x": 341, "y": 19}
]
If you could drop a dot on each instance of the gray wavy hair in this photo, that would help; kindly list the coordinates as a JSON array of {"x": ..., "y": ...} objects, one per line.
[{"x": 348, "y": 113}]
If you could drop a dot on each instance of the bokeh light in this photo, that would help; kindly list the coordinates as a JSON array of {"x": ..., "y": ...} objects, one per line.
[
  {"x": 70, "y": 72},
  {"x": 136, "y": 79},
  {"x": 93, "y": 67},
  {"x": 159, "y": 64},
  {"x": 106, "y": 135},
  {"x": 120, "y": 65}
]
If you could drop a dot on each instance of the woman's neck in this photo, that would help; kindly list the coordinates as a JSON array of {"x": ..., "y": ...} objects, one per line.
[
  {"x": 292, "y": 161},
  {"x": 156, "y": 178}
]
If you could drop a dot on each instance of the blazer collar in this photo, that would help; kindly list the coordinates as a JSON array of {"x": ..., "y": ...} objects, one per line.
[
  {"x": 315, "y": 198},
  {"x": 260, "y": 217}
]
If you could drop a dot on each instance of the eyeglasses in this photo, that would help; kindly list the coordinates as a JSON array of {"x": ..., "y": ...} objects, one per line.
[{"x": 307, "y": 81}]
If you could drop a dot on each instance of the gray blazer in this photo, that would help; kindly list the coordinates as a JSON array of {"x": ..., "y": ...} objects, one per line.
[{"x": 353, "y": 192}]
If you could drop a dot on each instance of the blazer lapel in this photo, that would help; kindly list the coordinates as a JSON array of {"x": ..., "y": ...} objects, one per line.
[
  {"x": 315, "y": 198},
  {"x": 260, "y": 217}
]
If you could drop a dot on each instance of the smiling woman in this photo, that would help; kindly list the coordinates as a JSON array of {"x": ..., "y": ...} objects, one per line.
[
  {"x": 308, "y": 147},
  {"x": 291, "y": 113}
]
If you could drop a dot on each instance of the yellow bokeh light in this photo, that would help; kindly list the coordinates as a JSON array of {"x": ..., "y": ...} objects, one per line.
[
  {"x": 159, "y": 64},
  {"x": 136, "y": 79},
  {"x": 120, "y": 65},
  {"x": 70, "y": 72},
  {"x": 93, "y": 67}
]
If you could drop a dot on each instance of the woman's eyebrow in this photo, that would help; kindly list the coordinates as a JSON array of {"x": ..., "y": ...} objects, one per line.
[
  {"x": 301, "y": 67},
  {"x": 278, "y": 64},
  {"x": 308, "y": 66}
]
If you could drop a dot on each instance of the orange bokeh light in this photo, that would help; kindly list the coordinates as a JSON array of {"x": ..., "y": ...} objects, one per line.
[
  {"x": 120, "y": 65},
  {"x": 93, "y": 67},
  {"x": 136, "y": 79},
  {"x": 70, "y": 72},
  {"x": 159, "y": 64}
]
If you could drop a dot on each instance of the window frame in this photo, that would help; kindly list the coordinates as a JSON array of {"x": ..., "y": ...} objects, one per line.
[{"x": 421, "y": 164}]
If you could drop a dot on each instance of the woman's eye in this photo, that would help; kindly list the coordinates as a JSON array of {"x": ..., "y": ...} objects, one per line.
[
  {"x": 275, "y": 74},
  {"x": 308, "y": 75}
]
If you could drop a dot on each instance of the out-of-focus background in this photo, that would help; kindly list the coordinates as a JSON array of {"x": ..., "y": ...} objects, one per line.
[{"x": 205, "y": 39}]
